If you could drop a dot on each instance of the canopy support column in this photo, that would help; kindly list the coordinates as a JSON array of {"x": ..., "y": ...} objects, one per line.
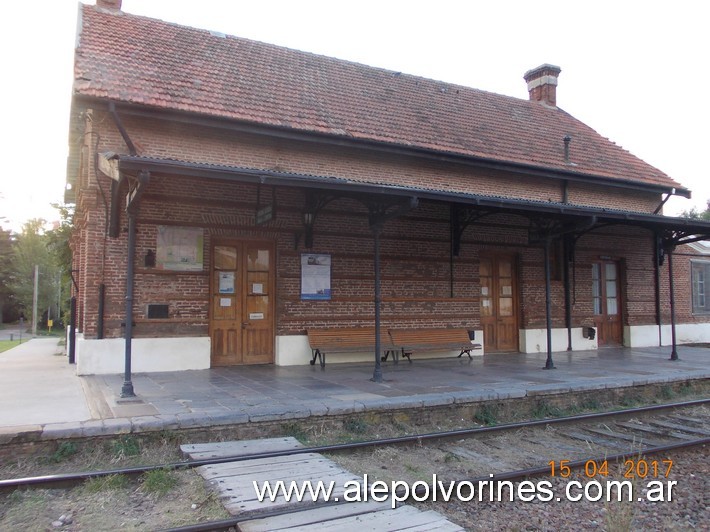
[
  {"x": 674, "y": 350},
  {"x": 380, "y": 211},
  {"x": 132, "y": 202},
  {"x": 548, "y": 302}
]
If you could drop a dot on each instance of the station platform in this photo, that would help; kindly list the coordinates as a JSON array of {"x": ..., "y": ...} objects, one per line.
[{"x": 43, "y": 398}]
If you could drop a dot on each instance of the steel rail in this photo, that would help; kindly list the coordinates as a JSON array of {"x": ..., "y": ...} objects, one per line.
[{"x": 74, "y": 478}]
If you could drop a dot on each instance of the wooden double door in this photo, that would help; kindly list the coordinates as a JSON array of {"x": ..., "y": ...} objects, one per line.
[
  {"x": 242, "y": 302},
  {"x": 499, "y": 302}
]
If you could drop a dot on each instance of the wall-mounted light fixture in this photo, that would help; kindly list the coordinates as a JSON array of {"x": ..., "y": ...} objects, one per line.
[{"x": 149, "y": 259}]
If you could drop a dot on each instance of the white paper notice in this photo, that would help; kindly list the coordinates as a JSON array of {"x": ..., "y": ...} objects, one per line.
[
  {"x": 225, "y": 302},
  {"x": 226, "y": 282}
]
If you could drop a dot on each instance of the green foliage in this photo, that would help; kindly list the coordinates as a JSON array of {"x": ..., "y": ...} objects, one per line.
[
  {"x": 29, "y": 250},
  {"x": 591, "y": 404},
  {"x": 667, "y": 392},
  {"x": 487, "y": 414},
  {"x": 107, "y": 483},
  {"x": 48, "y": 250},
  {"x": 294, "y": 430},
  {"x": 159, "y": 481},
  {"x": 8, "y": 344},
  {"x": 66, "y": 449},
  {"x": 543, "y": 410},
  {"x": 125, "y": 446},
  {"x": 355, "y": 426},
  {"x": 451, "y": 457},
  {"x": 9, "y": 308},
  {"x": 695, "y": 214}
]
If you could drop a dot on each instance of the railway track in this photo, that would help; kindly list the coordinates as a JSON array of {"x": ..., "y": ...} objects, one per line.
[{"x": 540, "y": 446}]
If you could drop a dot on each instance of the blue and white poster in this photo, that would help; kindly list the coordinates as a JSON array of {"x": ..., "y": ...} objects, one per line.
[{"x": 315, "y": 276}]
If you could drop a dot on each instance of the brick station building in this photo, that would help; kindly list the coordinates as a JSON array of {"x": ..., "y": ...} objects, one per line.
[{"x": 231, "y": 195}]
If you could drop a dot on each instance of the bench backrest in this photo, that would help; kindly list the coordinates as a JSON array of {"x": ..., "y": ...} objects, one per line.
[
  {"x": 430, "y": 337},
  {"x": 352, "y": 337}
]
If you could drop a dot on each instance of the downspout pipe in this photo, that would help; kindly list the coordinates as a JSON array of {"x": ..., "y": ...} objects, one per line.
[
  {"x": 566, "y": 252},
  {"x": 657, "y": 261},
  {"x": 100, "y": 317}
]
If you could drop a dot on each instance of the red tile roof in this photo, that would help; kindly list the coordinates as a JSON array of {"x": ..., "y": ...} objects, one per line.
[{"x": 140, "y": 60}]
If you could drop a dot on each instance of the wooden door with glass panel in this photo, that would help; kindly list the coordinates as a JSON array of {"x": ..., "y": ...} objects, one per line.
[
  {"x": 499, "y": 315},
  {"x": 607, "y": 302},
  {"x": 242, "y": 303}
]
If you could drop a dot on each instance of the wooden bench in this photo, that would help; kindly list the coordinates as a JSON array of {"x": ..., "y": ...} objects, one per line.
[
  {"x": 346, "y": 340},
  {"x": 409, "y": 340}
]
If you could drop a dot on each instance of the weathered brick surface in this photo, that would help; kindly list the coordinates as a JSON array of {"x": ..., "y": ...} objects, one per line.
[{"x": 421, "y": 284}]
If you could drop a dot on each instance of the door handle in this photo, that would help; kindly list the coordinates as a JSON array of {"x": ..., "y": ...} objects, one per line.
[{"x": 244, "y": 324}]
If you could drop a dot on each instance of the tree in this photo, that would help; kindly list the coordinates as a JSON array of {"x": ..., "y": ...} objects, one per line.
[
  {"x": 695, "y": 214},
  {"x": 58, "y": 241},
  {"x": 9, "y": 310},
  {"x": 31, "y": 249}
]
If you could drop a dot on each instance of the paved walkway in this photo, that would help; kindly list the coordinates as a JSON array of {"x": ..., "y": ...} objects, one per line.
[
  {"x": 39, "y": 391},
  {"x": 37, "y": 386}
]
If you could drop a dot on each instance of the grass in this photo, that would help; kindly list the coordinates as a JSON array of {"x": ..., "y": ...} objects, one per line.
[
  {"x": 544, "y": 410},
  {"x": 107, "y": 483},
  {"x": 126, "y": 446},
  {"x": 294, "y": 430},
  {"x": 488, "y": 415},
  {"x": 159, "y": 481},
  {"x": 355, "y": 426},
  {"x": 65, "y": 450},
  {"x": 8, "y": 344}
]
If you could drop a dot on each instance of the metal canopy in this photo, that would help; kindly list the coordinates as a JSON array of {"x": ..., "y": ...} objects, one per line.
[
  {"x": 674, "y": 231},
  {"x": 548, "y": 220}
]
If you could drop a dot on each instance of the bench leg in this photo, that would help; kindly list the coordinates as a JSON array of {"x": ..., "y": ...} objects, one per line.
[
  {"x": 467, "y": 351},
  {"x": 320, "y": 356},
  {"x": 395, "y": 355},
  {"x": 407, "y": 355}
]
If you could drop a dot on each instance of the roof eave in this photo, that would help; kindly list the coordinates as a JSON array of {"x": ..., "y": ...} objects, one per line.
[{"x": 333, "y": 139}]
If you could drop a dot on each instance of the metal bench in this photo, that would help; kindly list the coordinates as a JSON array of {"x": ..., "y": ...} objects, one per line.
[
  {"x": 346, "y": 340},
  {"x": 409, "y": 340}
]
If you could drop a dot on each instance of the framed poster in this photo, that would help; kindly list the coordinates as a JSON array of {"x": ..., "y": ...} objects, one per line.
[
  {"x": 179, "y": 248},
  {"x": 315, "y": 276}
]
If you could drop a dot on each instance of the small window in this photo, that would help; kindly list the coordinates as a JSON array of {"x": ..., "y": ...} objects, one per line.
[{"x": 700, "y": 275}]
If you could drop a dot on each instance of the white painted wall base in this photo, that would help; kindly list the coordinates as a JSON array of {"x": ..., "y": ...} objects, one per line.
[
  {"x": 100, "y": 357},
  {"x": 107, "y": 356},
  {"x": 647, "y": 335},
  {"x": 295, "y": 350},
  {"x": 535, "y": 340}
]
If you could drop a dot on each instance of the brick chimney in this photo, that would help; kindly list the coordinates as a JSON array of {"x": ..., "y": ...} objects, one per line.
[
  {"x": 113, "y": 5},
  {"x": 542, "y": 84}
]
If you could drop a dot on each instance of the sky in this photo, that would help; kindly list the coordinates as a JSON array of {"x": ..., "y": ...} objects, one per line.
[{"x": 635, "y": 71}]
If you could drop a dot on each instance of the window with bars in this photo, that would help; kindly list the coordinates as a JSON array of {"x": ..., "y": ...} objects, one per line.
[{"x": 700, "y": 273}]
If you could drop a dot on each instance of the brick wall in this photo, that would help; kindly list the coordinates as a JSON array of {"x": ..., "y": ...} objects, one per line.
[{"x": 421, "y": 284}]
